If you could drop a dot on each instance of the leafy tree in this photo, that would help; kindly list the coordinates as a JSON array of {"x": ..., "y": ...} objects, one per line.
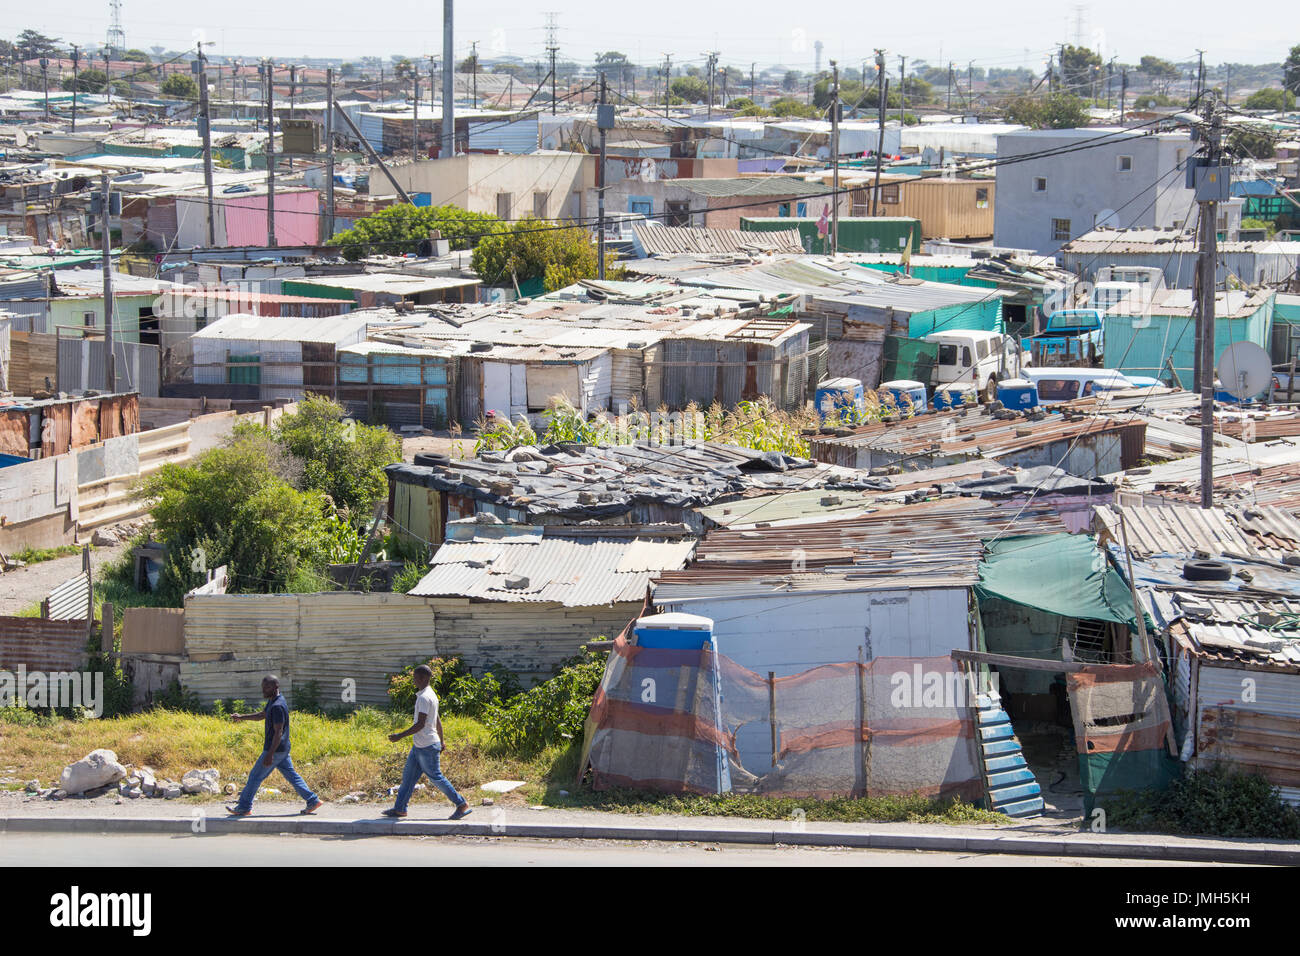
[
  {"x": 468, "y": 65},
  {"x": 1250, "y": 142},
  {"x": 1054, "y": 111},
  {"x": 1271, "y": 99},
  {"x": 401, "y": 228},
  {"x": 789, "y": 106},
  {"x": 790, "y": 82},
  {"x": 135, "y": 56},
  {"x": 88, "y": 81},
  {"x": 1291, "y": 71},
  {"x": 234, "y": 506},
  {"x": 740, "y": 103},
  {"x": 528, "y": 249},
  {"x": 181, "y": 86},
  {"x": 1160, "y": 72},
  {"x": 32, "y": 44},
  {"x": 342, "y": 459},
  {"x": 1077, "y": 65},
  {"x": 689, "y": 89}
]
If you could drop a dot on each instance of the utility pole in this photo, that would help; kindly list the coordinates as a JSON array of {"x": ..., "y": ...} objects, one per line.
[
  {"x": 1200, "y": 75},
  {"x": 948, "y": 109},
  {"x": 1110, "y": 81},
  {"x": 880, "y": 145},
  {"x": 268, "y": 71},
  {"x": 76, "y": 60},
  {"x": 970, "y": 85},
  {"x": 1123, "y": 92},
  {"x": 603, "y": 121},
  {"x": 205, "y": 132},
  {"x": 1227, "y": 88},
  {"x": 1210, "y": 177},
  {"x": 448, "y": 147},
  {"x": 329, "y": 152},
  {"x": 105, "y": 208},
  {"x": 108, "y": 78},
  {"x": 668, "y": 79},
  {"x": 1051, "y": 75},
  {"x": 473, "y": 59},
  {"x": 751, "y": 80},
  {"x": 552, "y": 48},
  {"x": 902, "y": 91},
  {"x": 45, "y": 85},
  {"x": 415, "y": 118},
  {"x": 835, "y": 158},
  {"x": 712, "y": 68}
]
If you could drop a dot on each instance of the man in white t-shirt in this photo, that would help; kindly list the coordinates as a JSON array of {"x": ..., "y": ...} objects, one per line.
[{"x": 426, "y": 750}]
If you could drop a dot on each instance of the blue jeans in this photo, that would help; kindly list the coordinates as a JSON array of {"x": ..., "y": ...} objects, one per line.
[
  {"x": 424, "y": 760},
  {"x": 260, "y": 772}
]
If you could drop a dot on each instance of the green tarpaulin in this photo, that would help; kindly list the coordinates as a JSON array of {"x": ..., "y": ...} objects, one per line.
[{"x": 1063, "y": 574}]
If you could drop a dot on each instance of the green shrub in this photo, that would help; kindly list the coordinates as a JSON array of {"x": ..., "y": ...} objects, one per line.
[
  {"x": 409, "y": 577},
  {"x": 552, "y": 713},
  {"x": 1212, "y": 802}
]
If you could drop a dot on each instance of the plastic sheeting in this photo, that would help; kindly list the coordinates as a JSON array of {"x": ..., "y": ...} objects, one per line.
[
  {"x": 1062, "y": 574},
  {"x": 887, "y": 726}
]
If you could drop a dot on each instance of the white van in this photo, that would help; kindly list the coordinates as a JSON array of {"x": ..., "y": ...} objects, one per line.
[
  {"x": 979, "y": 358},
  {"x": 1056, "y": 385}
]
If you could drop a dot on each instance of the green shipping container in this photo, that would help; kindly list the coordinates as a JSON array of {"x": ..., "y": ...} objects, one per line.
[{"x": 857, "y": 233}]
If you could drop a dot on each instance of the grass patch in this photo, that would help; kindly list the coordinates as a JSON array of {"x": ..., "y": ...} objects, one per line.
[
  {"x": 893, "y": 809},
  {"x": 37, "y": 555},
  {"x": 342, "y": 755},
  {"x": 336, "y": 756}
]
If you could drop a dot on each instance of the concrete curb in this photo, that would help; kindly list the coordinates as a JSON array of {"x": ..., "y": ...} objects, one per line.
[{"x": 1083, "y": 846}]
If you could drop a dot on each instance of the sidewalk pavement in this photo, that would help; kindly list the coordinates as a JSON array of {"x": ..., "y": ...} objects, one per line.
[{"x": 1033, "y": 837}]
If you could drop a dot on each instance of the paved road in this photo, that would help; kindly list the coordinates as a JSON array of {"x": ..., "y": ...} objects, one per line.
[{"x": 248, "y": 851}]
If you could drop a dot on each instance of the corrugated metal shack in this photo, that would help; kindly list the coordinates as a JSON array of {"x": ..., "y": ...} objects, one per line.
[
  {"x": 1085, "y": 445},
  {"x": 851, "y": 308},
  {"x": 887, "y": 594},
  {"x": 528, "y": 597},
  {"x": 1234, "y": 645},
  {"x": 620, "y": 485}
]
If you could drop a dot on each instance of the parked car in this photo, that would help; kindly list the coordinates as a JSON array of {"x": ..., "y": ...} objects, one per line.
[{"x": 980, "y": 358}]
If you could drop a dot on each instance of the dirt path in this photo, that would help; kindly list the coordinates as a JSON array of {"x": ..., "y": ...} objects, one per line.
[{"x": 23, "y": 587}]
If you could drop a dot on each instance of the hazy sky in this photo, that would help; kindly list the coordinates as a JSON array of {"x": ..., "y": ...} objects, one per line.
[{"x": 1004, "y": 33}]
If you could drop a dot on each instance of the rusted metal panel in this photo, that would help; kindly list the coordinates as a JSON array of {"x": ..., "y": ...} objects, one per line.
[{"x": 42, "y": 644}]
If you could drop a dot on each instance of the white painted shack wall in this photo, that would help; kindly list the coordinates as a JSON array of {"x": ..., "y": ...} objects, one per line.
[
  {"x": 790, "y": 633},
  {"x": 496, "y": 388},
  {"x": 1275, "y": 693}
]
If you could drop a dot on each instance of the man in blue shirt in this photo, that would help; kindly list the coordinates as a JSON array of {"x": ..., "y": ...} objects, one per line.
[{"x": 275, "y": 751}]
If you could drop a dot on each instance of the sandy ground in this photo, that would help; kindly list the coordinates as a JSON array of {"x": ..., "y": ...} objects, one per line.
[
  {"x": 23, "y": 587},
  {"x": 441, "y": 443}
]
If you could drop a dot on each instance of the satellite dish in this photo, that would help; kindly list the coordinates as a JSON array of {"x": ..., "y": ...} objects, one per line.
[{"x": 1245, "y": 370}]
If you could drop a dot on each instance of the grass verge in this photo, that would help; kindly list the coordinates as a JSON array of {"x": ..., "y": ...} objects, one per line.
[{"x": 338, "y": 756}]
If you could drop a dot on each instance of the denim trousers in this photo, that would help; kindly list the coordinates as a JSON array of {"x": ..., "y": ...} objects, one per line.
[
  {"x": 260, "y": 772},
  {"x": 424, "y": 760}
]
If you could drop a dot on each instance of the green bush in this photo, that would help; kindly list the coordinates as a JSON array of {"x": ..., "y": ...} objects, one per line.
[
  {"x": 1212, "y": 802},
  {"x": 459, "y": 692},
  {"x": 409, "y": 577},
  {"x": 552, "y": 713}
]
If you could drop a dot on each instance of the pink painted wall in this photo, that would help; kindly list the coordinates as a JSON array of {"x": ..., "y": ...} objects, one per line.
[{"x": 297, "y": 219}]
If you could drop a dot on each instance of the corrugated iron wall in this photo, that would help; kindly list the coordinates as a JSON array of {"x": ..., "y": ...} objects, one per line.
[
  {"x": 329, "y": 638},
  {"x": 41, "y": 644}
]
